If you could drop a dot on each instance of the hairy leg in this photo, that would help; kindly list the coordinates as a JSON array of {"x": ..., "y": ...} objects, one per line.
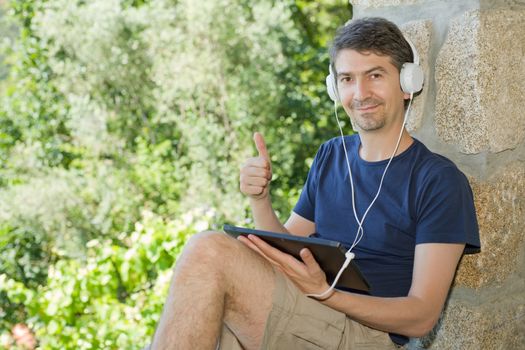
[{"x": 217, "y": 279}]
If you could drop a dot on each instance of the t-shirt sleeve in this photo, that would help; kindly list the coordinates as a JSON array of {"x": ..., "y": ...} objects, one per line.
[
  {"x": 305, "y": 206},
  {"x": 445, "y": 210}
]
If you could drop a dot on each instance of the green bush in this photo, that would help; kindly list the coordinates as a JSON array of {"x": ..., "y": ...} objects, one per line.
[{"x": 112, "y": 298}]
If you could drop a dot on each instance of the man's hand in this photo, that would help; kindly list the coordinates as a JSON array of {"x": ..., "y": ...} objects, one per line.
[
  {"x": 256, "y": 173},
  {"x": 306, "y": 274}
]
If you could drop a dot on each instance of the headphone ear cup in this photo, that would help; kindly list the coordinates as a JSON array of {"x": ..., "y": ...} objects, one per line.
[
  {"x": 411, "y": 78},
  {"x": 330, "y": 87}
]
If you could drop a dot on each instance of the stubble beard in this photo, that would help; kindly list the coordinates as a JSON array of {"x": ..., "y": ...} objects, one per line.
[{"x": 367, "y": 121}]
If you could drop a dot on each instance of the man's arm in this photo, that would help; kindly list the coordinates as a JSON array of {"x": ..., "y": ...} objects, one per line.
[
  {"x": 414, "y": 315},
  {"x": 266, "y": 219},
  {"x": 299, "y": 226},
  {"x": 255, "y": 179}
]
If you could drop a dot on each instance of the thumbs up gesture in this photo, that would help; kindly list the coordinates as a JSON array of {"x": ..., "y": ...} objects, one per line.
[{"x": 256, "y": 173}]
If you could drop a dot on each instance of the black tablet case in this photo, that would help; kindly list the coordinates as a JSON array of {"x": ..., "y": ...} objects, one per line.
[{"x": 330, "y": 255}]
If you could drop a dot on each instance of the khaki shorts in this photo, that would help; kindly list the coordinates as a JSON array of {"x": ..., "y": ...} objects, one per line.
[{"x": 299, "y": 322}]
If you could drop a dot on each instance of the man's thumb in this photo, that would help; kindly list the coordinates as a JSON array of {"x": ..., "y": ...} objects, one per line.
[{"x": 261, "y": 146}]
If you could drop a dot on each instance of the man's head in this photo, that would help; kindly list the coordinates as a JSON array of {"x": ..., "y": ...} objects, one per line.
[
  {"x": 372, "y": 35},
  {"x": 367, "y": 57}
]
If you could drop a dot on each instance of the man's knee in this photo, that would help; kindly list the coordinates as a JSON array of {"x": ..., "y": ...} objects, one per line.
[{"x": 210, "y": 248}]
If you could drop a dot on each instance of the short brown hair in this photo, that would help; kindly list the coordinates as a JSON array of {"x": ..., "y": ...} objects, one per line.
[{"x": 372, "y": 34}]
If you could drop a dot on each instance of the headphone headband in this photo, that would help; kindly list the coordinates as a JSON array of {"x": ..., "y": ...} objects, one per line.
[{"x": 414, "y": 51}]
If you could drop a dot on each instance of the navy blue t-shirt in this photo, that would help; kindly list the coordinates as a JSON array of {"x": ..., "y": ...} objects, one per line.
[{"x": 425, "y": 198}]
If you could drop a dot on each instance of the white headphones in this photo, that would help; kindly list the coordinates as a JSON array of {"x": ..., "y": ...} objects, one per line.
[{"x": 411, "y": 77}]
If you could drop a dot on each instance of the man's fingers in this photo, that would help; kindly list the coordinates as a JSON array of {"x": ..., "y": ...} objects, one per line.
[
  {"x": 249, "y": 243},
  {"x": 261, "y": 146},
  {"x": 257, "y": 162},
  {"x": 251, "y": 190},
  {"x": 253, "y": 169},
  {"x": 253, "y": 181},
  {"x": 309, "y": 260},
  {"x": 253, "y": 247},
  {"x": 256, "y": 173},
  {"x": 283, "y": 259}
]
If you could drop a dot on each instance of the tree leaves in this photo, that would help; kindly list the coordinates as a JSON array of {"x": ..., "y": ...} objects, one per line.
[{"x": 123, "y": 125}]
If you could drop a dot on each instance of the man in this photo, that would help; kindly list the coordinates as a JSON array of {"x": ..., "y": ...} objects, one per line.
[{"x": 413, "y": 236}]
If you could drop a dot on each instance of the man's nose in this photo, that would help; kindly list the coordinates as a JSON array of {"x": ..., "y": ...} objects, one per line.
[{"x": 361, "y": 90}]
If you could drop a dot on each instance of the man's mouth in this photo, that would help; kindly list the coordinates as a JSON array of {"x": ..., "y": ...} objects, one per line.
[{"x": 367, "y": 108}]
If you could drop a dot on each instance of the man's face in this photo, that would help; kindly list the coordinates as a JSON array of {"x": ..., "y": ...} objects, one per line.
[{"x": 369, "y": 89}]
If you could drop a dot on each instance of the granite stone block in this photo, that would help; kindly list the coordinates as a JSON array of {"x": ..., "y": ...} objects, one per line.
[
  {"x": 500, "y": 206},
  {"x": 480, "y": 91}
]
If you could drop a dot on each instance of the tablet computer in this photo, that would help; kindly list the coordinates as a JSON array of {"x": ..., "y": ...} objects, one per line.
[{"x": 330, "y": 255}]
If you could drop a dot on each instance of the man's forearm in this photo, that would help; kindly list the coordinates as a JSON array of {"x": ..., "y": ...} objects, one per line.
[
  {"x": 264, "y": 216},
  {"x": 408, "y": 316},
  {"x": 416, "y": 314}
]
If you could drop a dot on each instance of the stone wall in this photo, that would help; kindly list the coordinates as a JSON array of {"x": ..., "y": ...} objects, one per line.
[{"x": 472, "y": 111}]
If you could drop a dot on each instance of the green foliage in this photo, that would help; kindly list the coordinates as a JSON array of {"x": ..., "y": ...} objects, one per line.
[
  {"x": 123, "y": 125},
  {"x": 113, "y": 298}
]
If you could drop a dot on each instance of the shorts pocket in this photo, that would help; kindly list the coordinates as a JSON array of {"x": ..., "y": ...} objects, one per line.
[
  {"x": 308, "y": 334},
  {"x": 366, "y": 338},
  {"x": 300, "y": 343},
  {"x": 317, "y": 326}
]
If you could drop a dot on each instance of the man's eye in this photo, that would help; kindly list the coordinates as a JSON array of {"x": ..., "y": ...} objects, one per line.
[
  {"x": 346, "y": 79},
  {"x": 375, "y": 76}
]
